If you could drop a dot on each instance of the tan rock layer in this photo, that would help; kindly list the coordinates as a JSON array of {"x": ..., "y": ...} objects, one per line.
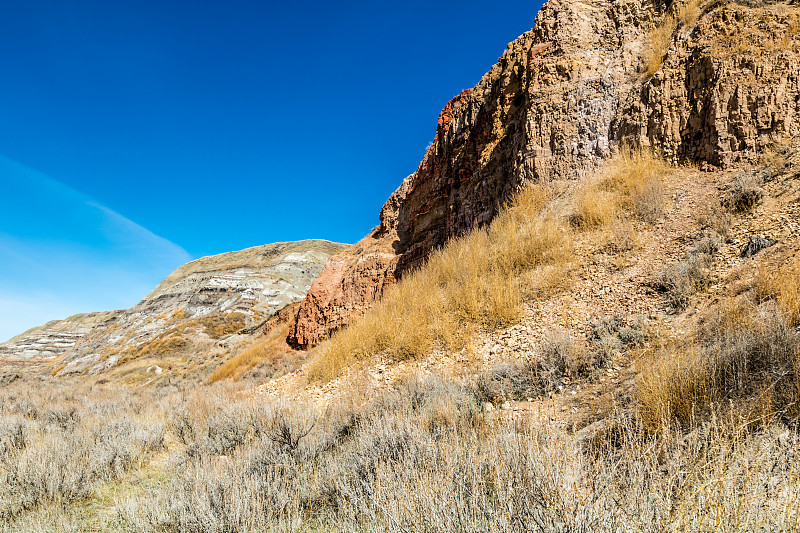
[{"x": 557, "y": 101}]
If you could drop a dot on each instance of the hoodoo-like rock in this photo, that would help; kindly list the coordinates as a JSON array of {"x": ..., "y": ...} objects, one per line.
[{"x": 554, "y": 106}]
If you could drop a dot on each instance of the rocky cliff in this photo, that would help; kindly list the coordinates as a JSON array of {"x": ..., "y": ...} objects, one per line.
[
  {"x": 560, "y": 98},
  {"x": 196, "y": 307}
]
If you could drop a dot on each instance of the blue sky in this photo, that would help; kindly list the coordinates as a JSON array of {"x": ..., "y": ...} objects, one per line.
[{"x": 139, "y": 135}]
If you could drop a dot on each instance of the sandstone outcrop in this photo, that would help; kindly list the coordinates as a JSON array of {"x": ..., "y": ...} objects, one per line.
[
  {"x": 554, "y": 106},
  {"x": 234, "y": 292}
]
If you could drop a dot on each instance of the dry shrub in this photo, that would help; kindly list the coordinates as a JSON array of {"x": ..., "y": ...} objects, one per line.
[
  {"x": 594, "y": 208},
  {"x": 683, "y": 279},
  {"x": 476, "y": 281},
  {"x": 744, "y": 192},
  {"x": 672, "y": 385},
  {"x": 660, "y": 37},
  {"x": 622, "y": 235},
  {"x": 423, "y": 456},
  {"x": 219, "y": 325},
  {"x": 635, "y": 175},
  {"x": 744, "y": 353},
  {"x": 658, "y": 43},
  {"x": 717, "y": 221},
  {"x": 56, "y": 449}
]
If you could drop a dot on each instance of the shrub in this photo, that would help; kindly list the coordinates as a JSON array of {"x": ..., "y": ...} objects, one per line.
[
  {"x": 744, "y": 192},
  {"x": 60, "y": 457},
  {"x": 268, "y": 349},
  {"x": 662, "y": 34},
  {"x": 781, "y": 283},
  {"x": 745, "y": 353},
  {"x": 683, "y": 279}
]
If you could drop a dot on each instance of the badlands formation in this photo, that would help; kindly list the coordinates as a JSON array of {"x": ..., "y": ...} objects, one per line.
[{"x": 209, "y": 304}]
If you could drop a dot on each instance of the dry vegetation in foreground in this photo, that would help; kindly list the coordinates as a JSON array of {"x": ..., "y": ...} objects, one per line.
[
  {"x": 425, "y": 455},
  {"x": 477, "y": 280},
  {"x": 57, "y": 447},
  {"x": 746, "y": 353}
]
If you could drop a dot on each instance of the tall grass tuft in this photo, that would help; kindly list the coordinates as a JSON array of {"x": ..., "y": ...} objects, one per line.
[
  {"x": 660, "y": 37},
  {"x": 745, "y": 354},
  {"x": 632, "y": 183}
]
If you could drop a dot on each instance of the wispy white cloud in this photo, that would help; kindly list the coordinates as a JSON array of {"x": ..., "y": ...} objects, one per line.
[{"x": 62, "y": 252}]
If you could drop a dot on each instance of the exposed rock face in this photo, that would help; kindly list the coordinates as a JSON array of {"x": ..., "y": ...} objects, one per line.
[
  {"x": 250, "y": 285},
  {"x": 553, "y": 107},
  {"x": 729, "y": 87}
]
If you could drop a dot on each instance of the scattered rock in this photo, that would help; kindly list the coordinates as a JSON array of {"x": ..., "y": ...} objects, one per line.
[{"x": 757, "y": 244}]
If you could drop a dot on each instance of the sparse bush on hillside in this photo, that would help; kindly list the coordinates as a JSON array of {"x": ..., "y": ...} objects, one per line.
[
  {"x": 268, "y": 351},
  {"x": 217, "y": 326},
  {"x": 716, "y": 220},
  {"x": 746, "y": 353},
  {"x": 683, "y": 279},
  {"x": 623, "y": 235},
  {"x": 474, "y": 281},
  {"x": 781, "y": 284},
  {"x": 613, "y": 335},
  {"x": 744, "y": 192},
  {"x": 660, "y": 37}
]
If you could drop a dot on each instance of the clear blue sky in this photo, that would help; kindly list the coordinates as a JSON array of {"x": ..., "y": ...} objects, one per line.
[{"x": 138, "y": 135}]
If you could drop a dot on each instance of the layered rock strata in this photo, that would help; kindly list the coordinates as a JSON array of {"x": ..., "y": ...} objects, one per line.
[
  {"x": 250, "y": 285},
  {"x": 554, "y": 106}
]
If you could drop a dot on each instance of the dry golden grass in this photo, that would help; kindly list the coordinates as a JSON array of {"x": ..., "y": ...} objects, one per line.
[
  {"x": 660, "y": 37},
  {"x": 476, "y": 281},
  {"x": 781, "y": 284},
  {"x": 272, "y": 346},
  {"x": 595, "y": 207},
  {"x": 631, "y": 183},
  {"x": 217, "y": 326},
  {"x": 744, "y": 354},
  {"x": 672, "y": 385}
]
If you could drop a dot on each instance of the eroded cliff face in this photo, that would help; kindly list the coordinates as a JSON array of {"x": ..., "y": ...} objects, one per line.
[
  {"x": 729, "y": 87},
  {"x": 553, "y": 107}
]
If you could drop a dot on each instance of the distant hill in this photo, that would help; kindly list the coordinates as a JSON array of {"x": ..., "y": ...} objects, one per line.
[{"x": 202, "y": 308}]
